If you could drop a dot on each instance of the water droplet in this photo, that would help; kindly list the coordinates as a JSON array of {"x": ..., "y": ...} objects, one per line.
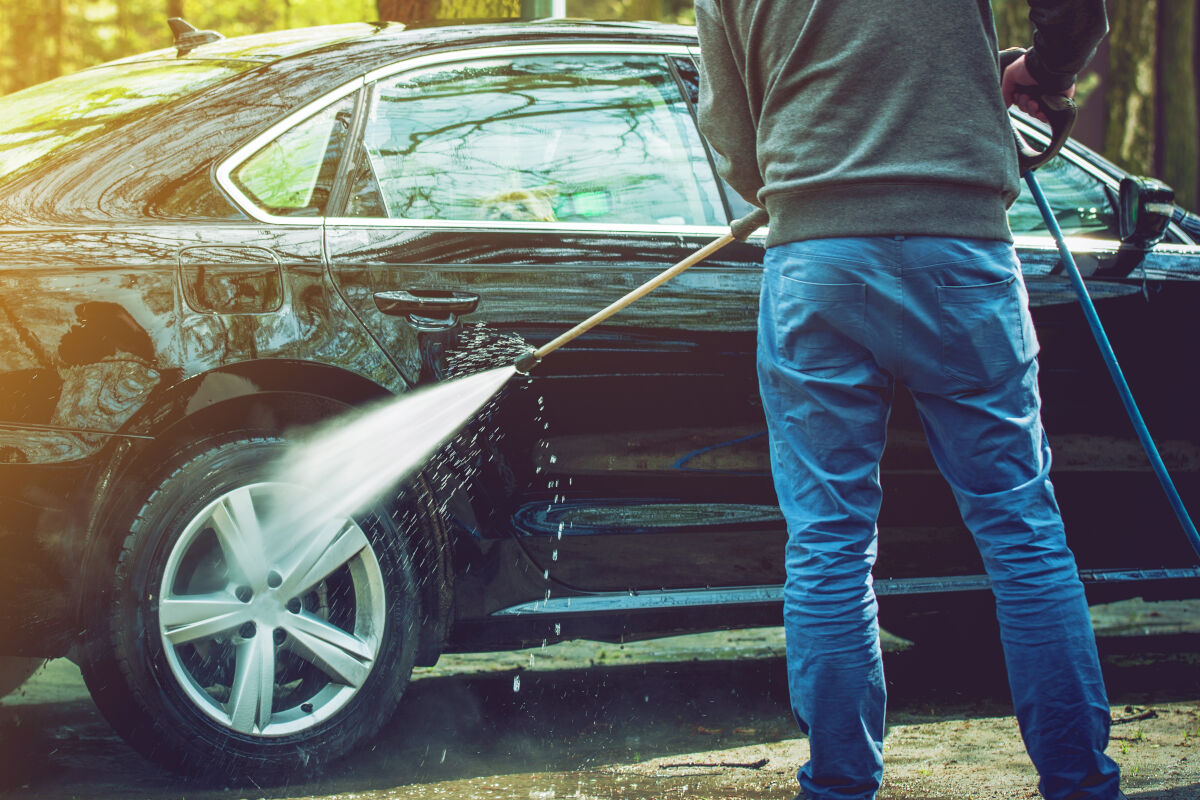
[
  {"x": 516, "y": 683},
  {"x": 546, "y": 426},
  {"x": 546, "y": 575},
  {"x": 443, "y": 761},
  {"x": 554, "y": 555},
  {"x": 547, "y": 595},
  {"x": 558, "y": 625},
  {"x": 531, "y": 660},
  {"x": 570, "y": 481}
]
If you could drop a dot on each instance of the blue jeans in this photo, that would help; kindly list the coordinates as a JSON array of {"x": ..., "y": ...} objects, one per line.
[{"x": 840, "y": 323}]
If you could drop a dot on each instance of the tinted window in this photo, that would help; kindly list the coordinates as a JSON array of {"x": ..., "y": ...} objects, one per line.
[
  {"x": 44, "y": 119},
  {"x": 536, "y": 139},
  {"x": 294, "y": 173},
  {"x": 1080, "y": 202}
]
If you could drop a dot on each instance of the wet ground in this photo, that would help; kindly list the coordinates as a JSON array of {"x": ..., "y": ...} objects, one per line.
[{"x": 690, "y": 717}]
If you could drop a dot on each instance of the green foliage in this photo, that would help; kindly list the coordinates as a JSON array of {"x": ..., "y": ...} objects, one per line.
[{"x": 43, "y": 40}]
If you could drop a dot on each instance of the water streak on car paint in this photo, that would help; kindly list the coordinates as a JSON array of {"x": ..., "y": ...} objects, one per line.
[{"x": 348, "y": 464}]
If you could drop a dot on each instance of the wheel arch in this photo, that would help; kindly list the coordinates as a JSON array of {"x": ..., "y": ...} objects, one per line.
[{"x": 254, "y": 398}]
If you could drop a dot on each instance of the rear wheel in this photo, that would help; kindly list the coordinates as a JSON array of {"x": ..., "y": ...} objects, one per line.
[{"x": 245, "y": 641}]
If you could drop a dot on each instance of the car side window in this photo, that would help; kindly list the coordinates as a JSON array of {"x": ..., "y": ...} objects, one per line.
[
  {"x": 559, "y": 138},
  {"x": 1080, "y": 203},
  {"x": 293, "y": 174},
  {"x": 689, "y": 75}
]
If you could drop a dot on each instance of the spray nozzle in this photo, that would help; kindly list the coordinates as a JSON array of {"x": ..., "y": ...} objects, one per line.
[{"x": 527, "y": 362}]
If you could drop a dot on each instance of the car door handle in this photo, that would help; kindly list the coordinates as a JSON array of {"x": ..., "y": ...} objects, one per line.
[{"x": 426, "y": 302}]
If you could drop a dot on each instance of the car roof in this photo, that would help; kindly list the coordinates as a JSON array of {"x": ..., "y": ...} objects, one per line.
[{"x": 389, "y": 37}]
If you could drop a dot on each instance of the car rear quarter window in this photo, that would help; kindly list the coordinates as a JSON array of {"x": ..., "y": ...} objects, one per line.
[
  {"x": 598, "y": 139},
  {"x": 51, "y": 117},
  {"x": 293, "y": 174}
]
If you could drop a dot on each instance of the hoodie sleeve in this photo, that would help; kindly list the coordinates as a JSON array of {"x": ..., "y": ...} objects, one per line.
[
  {"x": 725, "y": 116},
  {"x": 1066, "y": 33}
]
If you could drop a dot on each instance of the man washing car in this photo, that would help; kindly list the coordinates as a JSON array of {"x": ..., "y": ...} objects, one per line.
[{"x": 879, "y": 142}]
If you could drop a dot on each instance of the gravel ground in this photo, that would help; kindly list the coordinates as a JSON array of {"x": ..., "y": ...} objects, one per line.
[{"x": 689, "y": 717}]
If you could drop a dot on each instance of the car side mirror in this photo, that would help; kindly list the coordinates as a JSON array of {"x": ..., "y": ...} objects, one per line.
[{"x": 1146, "y": 206}]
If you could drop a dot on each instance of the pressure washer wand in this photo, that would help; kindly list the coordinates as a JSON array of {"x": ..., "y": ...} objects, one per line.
[{"x": 738, "y": 231}]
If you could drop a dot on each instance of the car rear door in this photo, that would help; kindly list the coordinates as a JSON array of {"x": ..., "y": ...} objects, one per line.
[{"x": 545, "y": 181}]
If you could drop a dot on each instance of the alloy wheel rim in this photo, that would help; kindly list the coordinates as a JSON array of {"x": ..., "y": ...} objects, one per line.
[{"x": 271, "y": 616}]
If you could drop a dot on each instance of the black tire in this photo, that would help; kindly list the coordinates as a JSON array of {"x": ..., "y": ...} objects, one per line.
[{"x": 174, "y": 698}]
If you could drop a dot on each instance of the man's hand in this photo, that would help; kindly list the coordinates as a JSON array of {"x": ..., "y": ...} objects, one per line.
[{"x": 1020, "y": 89}]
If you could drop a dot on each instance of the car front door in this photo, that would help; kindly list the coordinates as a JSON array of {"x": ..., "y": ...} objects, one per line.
[
  {"x": 545, "y": 182},
  {"x": 1146, "y": 297}
]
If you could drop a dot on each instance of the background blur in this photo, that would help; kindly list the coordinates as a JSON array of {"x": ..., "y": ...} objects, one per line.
[{"x": 1138, "y": 100}]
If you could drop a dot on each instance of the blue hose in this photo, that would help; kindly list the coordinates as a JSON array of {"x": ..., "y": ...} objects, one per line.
[{"x": 1114, "y": 369}]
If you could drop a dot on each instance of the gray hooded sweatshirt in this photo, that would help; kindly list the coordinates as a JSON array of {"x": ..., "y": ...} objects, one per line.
[{"x": 874, "y": 117}]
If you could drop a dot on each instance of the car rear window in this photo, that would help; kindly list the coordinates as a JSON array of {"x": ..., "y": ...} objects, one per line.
[{"x": 45, "y": 119}]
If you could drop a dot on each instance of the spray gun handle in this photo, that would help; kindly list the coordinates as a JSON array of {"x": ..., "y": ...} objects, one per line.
[{"x": 1060, "y": 110}]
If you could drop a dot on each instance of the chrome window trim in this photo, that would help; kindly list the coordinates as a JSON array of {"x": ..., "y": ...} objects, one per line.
[
  {"x": 1082, "y": 244},
  {"x": 708, "y": 231},
  {"x": 224, "y": 170},
  {"x": 1078, "y": 244}
]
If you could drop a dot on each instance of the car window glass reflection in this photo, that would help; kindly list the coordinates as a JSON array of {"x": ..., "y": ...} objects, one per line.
[
  {"x": 294, "y": 173},
  {"x": 1079, "y": 201},
  {"x": 537, "y": 139}
]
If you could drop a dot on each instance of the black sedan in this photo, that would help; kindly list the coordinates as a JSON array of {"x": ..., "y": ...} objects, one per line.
[{"x": 208, "y": 250}]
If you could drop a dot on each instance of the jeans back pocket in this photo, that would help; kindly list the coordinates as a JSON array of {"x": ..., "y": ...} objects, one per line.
[
  {"x": 817, "y": 325},
  {"x": 987, "y": 334}
]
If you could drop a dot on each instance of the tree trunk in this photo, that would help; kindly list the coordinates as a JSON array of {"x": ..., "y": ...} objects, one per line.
[
  {"x": 1181, "y": 129},
  {"x": 407, "y": 10},
  {"x": 1129, "y": 118},
  {"x": 424, "y": 10}
]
